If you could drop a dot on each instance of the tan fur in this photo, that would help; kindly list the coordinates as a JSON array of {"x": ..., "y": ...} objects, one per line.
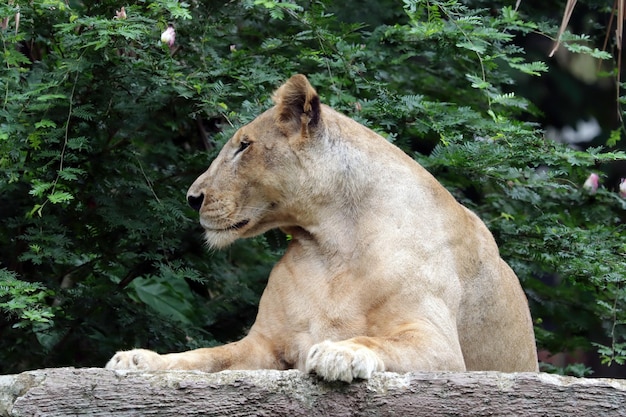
[{"x": 385, "y": 271}]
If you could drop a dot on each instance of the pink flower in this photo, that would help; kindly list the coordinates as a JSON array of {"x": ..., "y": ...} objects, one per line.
[
  {"x": 120, "y": 14},
  {"x": 622, "y": 188},
  {"x": 592, "y": 183},
  {"x": 169, "y": 36}
]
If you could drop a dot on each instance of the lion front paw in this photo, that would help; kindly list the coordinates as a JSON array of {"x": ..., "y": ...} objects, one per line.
[
  {"x": 137, "y": 359},
  {"x": 343, "y": 361}
]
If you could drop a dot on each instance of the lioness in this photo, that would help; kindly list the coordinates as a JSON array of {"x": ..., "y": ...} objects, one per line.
[{"x": 385, "y": 270}]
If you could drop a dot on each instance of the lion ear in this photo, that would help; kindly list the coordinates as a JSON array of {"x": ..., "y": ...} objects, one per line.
[{"x": 298, "y": 105}]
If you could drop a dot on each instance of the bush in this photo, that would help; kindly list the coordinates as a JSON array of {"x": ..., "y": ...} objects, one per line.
[{"x": 104, "y": 127}]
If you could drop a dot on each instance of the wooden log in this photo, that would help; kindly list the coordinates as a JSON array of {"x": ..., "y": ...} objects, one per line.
[{"x": 99, "y": 392}]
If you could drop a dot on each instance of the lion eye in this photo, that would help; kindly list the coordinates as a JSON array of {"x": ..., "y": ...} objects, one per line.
[{"x": 242, "y": 146}]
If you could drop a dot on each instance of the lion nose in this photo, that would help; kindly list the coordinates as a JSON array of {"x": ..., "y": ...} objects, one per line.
[{"x": 195, "y": 201}]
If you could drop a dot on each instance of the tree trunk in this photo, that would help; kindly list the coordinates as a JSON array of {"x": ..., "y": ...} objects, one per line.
[{"x": 99, "y": 392}]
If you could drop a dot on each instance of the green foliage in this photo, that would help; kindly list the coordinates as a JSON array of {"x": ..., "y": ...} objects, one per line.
[
  {"x": 578, "y": 44},
  {"x": 26, "y": 301},
  {"x": 103, "y": 128},
  {"x": 577, "y": 370}
]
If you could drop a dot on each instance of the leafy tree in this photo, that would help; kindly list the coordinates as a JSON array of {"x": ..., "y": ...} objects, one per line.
[{"x": 103, "y": 127}]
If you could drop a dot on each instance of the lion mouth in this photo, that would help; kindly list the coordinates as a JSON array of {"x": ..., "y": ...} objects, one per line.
[
  {"x": 235, "y": 226},
  {"x": 238, "y": 225}
]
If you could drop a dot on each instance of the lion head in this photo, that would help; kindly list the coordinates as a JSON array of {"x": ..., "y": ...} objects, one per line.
[{"x": 256, "y": 183}]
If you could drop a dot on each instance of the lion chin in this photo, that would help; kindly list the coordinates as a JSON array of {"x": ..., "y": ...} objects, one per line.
[
  {"x": 385, "y": 270},
  {"x": 221, "y": 237}
]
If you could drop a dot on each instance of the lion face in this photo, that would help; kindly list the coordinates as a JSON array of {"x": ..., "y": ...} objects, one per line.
[
  {"x": 238, "y": 196},
  {"x": 250, "y": 187}
]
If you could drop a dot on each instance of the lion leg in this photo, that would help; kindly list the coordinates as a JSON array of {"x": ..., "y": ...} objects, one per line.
[
  {"x": 416, "y": 349},
  {"x": 251, "y": 352}
]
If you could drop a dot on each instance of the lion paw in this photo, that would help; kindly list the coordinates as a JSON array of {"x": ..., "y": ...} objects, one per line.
[
  {"x": 137, "y": 359},
  {"x": 343, "y": 361}
]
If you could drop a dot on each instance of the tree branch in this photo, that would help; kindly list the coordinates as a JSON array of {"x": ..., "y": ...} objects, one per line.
[{"x": 98, "y": 392}]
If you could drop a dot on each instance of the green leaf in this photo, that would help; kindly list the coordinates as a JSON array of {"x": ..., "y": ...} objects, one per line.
[
  {"x": 50, "y": 97},
  {"x": 615, "y": 137},
  {"x": 584, "y": 49},
  {"x": 478, "y": 82},
  {"x": 45, "y": 123},
  {"x": 531, "y": 68},
  {"x": 71, "y": 174},
  {"x": 472, "y": 46},
  {"x": 39, "y": 188},
  {"x": 60, "y": 197},
  {"x": 167, "y": 297}
]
